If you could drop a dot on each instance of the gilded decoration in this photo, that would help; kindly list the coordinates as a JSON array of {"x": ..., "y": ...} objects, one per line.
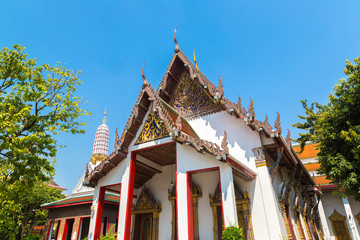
[
  {"x": 97, "y": 157},
  {"x": 149, "y": 209},
  {"x": 196, "y": 193},
  {"x": 154, "y": 128},
  {"x": 243, "y": 211},
  {"x": 189, "y": 97},
  {"x": 339, "y": 226}
]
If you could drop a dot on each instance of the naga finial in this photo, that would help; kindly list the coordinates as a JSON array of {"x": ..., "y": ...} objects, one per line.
[
  {"x": 195, "y": 60},
  {"x": 177, "y": 48},
  {"x": 266, "y": 119},
  {"x": 251, "y": 108},
  {"x": 104, "y": 120},
  {"x": 277, "y": 124},
  {"x": 143, "y": 76},
  {"x": 288, "y": 139},
  {"x": 220, "y": 88},
  {"x": 224, "y": 144},
  {"x": 116, "y": 139},
  {"x": 178, "y": 122}
]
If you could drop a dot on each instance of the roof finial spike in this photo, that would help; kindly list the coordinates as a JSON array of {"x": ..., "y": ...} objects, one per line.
[
  {"x": 145, "y": 83},
  {"x": 288, "y": 138},
  {"x": 278, "y": 124},
  {"x": 195, "y": 61},
  {"x": 105, "y": 113},
  {"x": 220, "y": 88},
  {"x": 177, "y": 48},
  {"x": 251, "y": 108}
]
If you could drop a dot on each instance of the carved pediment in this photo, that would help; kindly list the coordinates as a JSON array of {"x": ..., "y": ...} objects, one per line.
[
  {"x": 190, "y": 98},
  {"x": 146, "y": 202},
  {"x": 337, "y": 216},
  {"x": 154, "y": 128}
]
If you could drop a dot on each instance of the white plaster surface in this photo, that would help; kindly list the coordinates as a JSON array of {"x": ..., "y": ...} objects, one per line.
[
  {"x": 207, "y": 182},
  {"x": 240, "y": 137}
]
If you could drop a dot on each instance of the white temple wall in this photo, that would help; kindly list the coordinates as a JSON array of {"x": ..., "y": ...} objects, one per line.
[
  {"x": 331, "y": 202},
  {"x": 207, "y": 182},
  {"x": 240, "y": 137}
]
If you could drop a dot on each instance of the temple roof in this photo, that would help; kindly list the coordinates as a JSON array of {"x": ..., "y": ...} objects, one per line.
[{"x": 184, "y": 82}]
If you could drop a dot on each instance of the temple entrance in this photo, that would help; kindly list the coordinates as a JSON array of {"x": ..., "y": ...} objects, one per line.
[
  {"x": 243, "y": 212},
  {"x": 146, "y": 217},
  {"x": 143, "y": 225}
]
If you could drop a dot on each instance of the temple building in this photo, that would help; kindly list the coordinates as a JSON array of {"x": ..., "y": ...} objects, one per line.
[
  {"x": 188, "y": 163},
  {"x": 340, "y": 217}
]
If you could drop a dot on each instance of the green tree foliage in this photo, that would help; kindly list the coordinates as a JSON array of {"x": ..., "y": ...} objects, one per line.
[
  {"x": 232, "y": 233},
  {"x": 36, "y": 103},
  {"x": 336, "y": 127},
  {"x": 20, "y": 207}
]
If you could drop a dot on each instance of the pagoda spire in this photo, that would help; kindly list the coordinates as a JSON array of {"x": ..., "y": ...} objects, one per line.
[{"x": 101, "y": 142}]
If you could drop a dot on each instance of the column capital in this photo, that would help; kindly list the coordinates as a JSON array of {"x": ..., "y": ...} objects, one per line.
[{"x": 260, "y": 160}]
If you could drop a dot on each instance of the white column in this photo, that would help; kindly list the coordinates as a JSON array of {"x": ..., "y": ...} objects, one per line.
[
  {"x": 93, "y": 210},
  {"x": 182, "y": 205},
  {"x": 350, "y": 219},
  {"x": 268, "y": 197},
  {"x": 123, "y": 201},
  {"x": 324, "y": 223},
  {"x": 228, "y": 196}
]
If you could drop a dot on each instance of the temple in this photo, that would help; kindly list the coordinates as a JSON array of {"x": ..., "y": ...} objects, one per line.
[{"x": 188, "y": 163}]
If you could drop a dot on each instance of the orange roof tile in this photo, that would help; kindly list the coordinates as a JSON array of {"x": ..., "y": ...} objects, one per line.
[
  {"x": 321, "y": 180},
  {"x": 312, "y": 166},
  {"x": 309, "y": 151}
]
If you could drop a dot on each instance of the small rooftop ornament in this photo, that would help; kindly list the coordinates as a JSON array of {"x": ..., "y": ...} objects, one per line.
[
  {"x": 104, "y": 120},
  {"x": 143, "y": 76},
  {"x": 251, "y": 109},
  {"x": 177, "y": 48},
  {"x": 195, "y": 61}
]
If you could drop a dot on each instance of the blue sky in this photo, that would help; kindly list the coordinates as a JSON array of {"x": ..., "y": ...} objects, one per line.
[{"x": 276, "y": 52}]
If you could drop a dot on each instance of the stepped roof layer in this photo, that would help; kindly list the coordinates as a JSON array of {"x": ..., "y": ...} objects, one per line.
[
  {"x": 309, "y": 151},
  {"x": 69, "y": 201},
  {"x": 198, "y": 97}
]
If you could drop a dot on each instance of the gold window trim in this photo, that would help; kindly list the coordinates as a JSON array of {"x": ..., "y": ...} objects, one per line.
[
  {"x": 196, "y": 193},
  {"x": 243, "y": 204},
  {"x": 337, "y": 217},
  {"x": 147, "y": 204}
]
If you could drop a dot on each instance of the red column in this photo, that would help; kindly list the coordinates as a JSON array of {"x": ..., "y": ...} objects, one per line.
[
  {"x": 99, "y": 213},
  {"x": 130, "y": 195},
  {"x": 190, "y": 207}
]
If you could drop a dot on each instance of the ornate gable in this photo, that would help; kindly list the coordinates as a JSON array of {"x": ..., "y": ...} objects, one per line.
[
  {"x": 154, "y": 128},
  {"x": 190, "y": 99}
]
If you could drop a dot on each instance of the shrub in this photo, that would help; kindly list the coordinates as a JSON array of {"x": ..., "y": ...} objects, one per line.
[
  {"x": 32, "y": 237},
  {"x": 232, "y": 233}
]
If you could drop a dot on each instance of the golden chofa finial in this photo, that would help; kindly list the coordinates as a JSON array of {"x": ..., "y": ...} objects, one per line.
[
  {"x": 177, "y": 48},
  {"x": 195, "y": 60},
  {"x": 104, "y": 120},
  {"x": 145, "y": 83}
]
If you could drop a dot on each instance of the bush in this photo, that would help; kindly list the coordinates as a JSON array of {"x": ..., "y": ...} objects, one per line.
[
  {"x": 32, "y": 237},
  {"x": 232, "y": 233}
]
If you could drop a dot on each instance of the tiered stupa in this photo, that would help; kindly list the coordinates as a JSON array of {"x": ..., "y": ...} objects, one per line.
[{"x": 101, "y": 143}]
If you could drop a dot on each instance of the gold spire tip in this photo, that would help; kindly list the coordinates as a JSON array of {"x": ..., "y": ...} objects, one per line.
[
  {"x": 105, "y": 113},
  {"x": 195, "y": 60}
]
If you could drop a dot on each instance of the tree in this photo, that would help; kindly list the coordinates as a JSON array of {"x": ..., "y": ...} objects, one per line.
[
  {"x": 37, "y": 102},
  {"x": 336, "y": 127},
  {"x": 20, "y": 207}
]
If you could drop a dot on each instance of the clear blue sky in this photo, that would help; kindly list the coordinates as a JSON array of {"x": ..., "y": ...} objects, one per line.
[{"x": 276, "y": 52}]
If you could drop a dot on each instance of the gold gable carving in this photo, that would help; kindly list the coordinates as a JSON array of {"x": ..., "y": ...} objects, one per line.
[
  {"x": 337, "y": 217},
  {"x": 154, "y": 128},
  {"x": 189, "y": 98}
]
